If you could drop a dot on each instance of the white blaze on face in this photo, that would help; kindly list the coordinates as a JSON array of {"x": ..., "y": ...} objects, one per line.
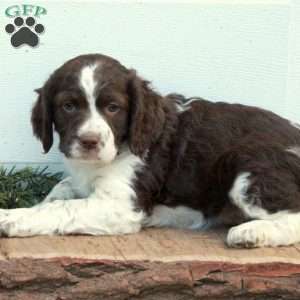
[{"x": 95, "y": 123}]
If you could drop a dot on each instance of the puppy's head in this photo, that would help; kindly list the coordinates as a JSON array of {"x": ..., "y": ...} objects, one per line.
[{"x": 96, "y": 105}]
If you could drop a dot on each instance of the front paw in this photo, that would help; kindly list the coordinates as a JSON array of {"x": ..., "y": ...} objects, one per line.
[
  {"x": 11, "y": 221},
  {"x": 8, "y": 227},
  {"x": 4, "y": 213}
]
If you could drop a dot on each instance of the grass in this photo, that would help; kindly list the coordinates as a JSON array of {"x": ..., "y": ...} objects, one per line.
[{"x": 25, "y": 187}]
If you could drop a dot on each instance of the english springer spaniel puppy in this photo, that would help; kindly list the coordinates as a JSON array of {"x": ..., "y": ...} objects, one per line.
[{"x": 138, "y": 159}]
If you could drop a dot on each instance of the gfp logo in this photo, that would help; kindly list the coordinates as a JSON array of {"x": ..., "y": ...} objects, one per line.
[{"x": 24, "y": 29}]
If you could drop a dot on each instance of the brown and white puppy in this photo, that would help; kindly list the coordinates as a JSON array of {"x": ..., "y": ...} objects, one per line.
[{"x": 139, "y": 159}]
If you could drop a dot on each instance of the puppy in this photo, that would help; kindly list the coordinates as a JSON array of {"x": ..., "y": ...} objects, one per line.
[{"x": 138, "y": 159}]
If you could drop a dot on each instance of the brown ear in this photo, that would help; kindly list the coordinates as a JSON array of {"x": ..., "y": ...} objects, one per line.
[
  {"x": 147, "y": 116},
  {"x": 41, "y": 120}
]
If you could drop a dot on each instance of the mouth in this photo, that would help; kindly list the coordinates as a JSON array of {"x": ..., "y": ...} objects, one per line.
[
  {"x": 96, "y": 156},
  {"x": 92, "y": 154},
  {"x": 76, "y": 152}
]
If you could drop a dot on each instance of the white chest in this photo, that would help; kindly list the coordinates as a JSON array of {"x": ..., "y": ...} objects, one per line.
[{"x": 114, "y": 180}]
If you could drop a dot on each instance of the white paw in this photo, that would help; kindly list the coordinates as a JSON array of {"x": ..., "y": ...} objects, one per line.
[
  {"x": 8, "y": 227},
  {"x": 4, "y": 213},
  {"x": 259, "y": 233},
  {"x": 11, "y": 221}
]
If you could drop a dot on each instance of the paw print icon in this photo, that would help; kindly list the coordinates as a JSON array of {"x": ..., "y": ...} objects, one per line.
[{"x": 24, "y": 32}]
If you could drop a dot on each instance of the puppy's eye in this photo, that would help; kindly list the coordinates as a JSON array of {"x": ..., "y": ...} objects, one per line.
[
  {"x": 69, "y": 107},
  {"x": 112, "y": 108}
]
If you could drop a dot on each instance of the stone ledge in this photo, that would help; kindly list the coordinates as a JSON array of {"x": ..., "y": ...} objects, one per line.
[{"x": 154, "y": 264}]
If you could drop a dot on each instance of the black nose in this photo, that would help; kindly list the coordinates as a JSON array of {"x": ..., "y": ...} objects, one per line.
[{"x": 89, "y": 141}]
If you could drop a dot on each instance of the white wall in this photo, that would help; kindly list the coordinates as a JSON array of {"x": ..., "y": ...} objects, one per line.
[
  {"x": 293, "y": 78},
  {"x": 236, "y": 51}
]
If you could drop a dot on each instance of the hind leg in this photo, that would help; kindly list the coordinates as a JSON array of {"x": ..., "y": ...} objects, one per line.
[
  {"x": 263, "y": 184},
  {"x": 268, "y": 229}
]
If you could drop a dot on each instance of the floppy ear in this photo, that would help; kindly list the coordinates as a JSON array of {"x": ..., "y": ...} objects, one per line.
[
  {"x": 147, "y": 116},
  {"x": 41, "y": 120}
]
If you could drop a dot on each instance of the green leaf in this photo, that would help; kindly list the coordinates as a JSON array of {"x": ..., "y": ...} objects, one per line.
[{"x": 25, "y": 187}]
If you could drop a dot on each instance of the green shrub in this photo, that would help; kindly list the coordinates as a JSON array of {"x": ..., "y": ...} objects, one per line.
[{"x": 25, "y": 187}]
